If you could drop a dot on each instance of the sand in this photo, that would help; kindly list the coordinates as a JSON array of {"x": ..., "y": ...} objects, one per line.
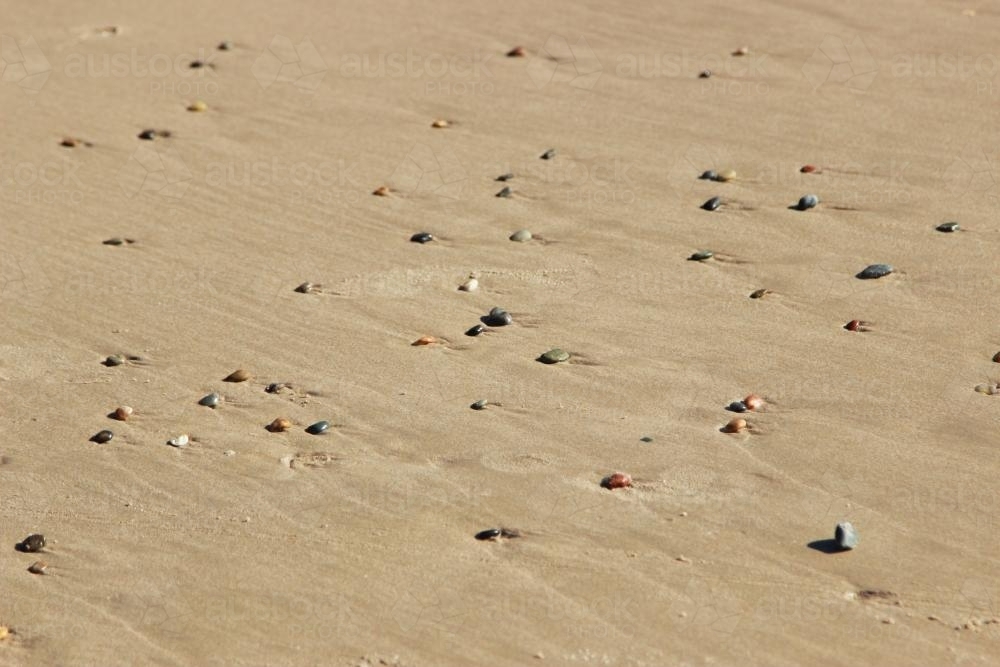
[{"x": 355, "y": 547}]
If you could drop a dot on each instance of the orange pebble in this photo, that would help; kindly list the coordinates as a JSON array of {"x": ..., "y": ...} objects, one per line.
[
  {"x": 517, "y": 52},
  {"x": 753, "y": 402},
  {"x": 425, "y": 340},
  {"x": 618, "y": 480},
  {"x": 737, "y": 425},
  {"x": 279, "y": 425},
  {"x": 381, "y": 191},
  {"x": 808, "y": 169}
]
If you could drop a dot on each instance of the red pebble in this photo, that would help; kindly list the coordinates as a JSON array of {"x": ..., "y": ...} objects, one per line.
[
  {"x": 808, "y": 169},
  {"x": 516, "y": 52},
  {"x": 618, "y": 480}
]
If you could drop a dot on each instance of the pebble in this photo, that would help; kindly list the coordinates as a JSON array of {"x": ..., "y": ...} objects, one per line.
[
  {"x": 69, "y": 142},
  {"x": 239, "y": 375},
  {"x": 179, "y": 441},
  {"x": 470, "y": 285},
  {"x": 279, "y": 425},
  {"x": 422, "y": 237},
  {"x": 517, "y": 52},
  {"x": 5, "y": 632},
  {"x": 440, "y": 123},
  {"x": 948, "y": 227},
  {"x": 424, "y": 340},
  {"x": 753, "y": 402},
  {"x": 32, "y": 544},
  {"x": 709, "y": 175},
  {"x": 118, "y": 240},
  {"x": 618, "y": 480},
  {"x": 480, "y": 404},
  {"x": 988, "y": 389},
  {"x": 113, "y": 360},
  {"x": 701, "y": 256},
  {"x": 742, "y": 51},
  {"x": 549, "y": 154},
  {"x": 521, "y": 236},
  {"x": 856, "y": 325},
  {"x": 123, "y": 413},
  {"x": 149, "y": 135},
  {"x": 873, "y": 271},
  {"x": 727, "y": 175},
  {"x": 505, "y": 177},
  {"x": 196, "y": 64},
  {"x": 381, "y": 191},
  {"x": 229, "y": 452},
  {"x": 102, "y": 437},
  {"x": 197, "y": 106},
  {"x": 737, "y": 406},
  {"x": 809, "y": 169},
  {"x": 705, "y": 74},
  {"x": 307, "y": 288},
  {"x": 274, "y": 387},
  {"x": 318, "y": 428},
  {"x": 210, "y": 401},
  {"x": 493, "y": 534},
  {"x": 846, "y": 536},
  {"x": 476, "y": 330},
  {"x": 737, "y": 425},
  {"x": 712, "y": 204},
  {"x": 225, "y": 45},
  {"x": 38, "y": 567},
  {"x": 807, "y": 202},
  {"x": 646, "y": 438},
  {"x": 996, "y": 357},
  {"x": 498, "y": 317},
  {"x": 760, "y": 293},
  {"x": 554, "y": 356},
  {"x": 505, "y": 193}
]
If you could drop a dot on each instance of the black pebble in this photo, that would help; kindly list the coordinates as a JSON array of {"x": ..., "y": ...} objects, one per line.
[
  {"x": 274, "y": 387},
  {"x": 32, "y": 544},
  {"x": 496, "y": 533},
  {"x": 712, "y": 204},
  {"x": 737, "y": 406},
  {"x": 102, "y": 437},
  {"x": 549, "y": 154},
  {"x": 948, "y": 227},
  {"x": 422, "y": 237},
  {"x": 498, "y": 317},
  {"x": 197, "y": 64},
  {"x": 705, "y": 73},
  {"x": 505, "y": 193},
  {"x": 646, "y": 438},
  {"x": 148, "y": 135},
  {"x": 476, "y": 330},
  {"x": 709, "y": 175},
  {"x": 505, "y": 177}
]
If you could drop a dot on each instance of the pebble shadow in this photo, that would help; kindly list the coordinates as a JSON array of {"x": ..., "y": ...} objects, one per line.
[{"x": 828, "y": 546}]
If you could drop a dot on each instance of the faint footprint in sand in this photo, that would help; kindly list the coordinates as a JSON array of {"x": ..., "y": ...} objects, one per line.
[
  {"x": 310, "y": 460},
  {"x": 506, "y": 462}
]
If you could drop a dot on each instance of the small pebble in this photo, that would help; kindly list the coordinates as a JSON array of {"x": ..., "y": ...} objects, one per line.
[
  {"x": 701, "y": 256},
  {"x": 737, "y": 406},
  {"x": 225, "y": 45},
  {"x": 988, "y": 389},
  {"x": 123, "y": 413},
  {"x": 279, "y": 425},
  {"x": 807, "y": 202},
  {"x": 424, "y": 340},
  {"x": 856, "y": 325},
  {"x": 196, "y": 64},
  {"x": 117, "y": 240},
  {"x": 727, "y": 175},
  {"x": 318, "y": 428},
  {"x": 505, "y": 193},
  {"x": 505, "y": 177},
  {"x": 709, "y": 175},
  {"x": 492, "y": 534},
  {"x": 645, "y": 438},
  {"x": 758, "y": 294},
  {"x": 470, "y": 285},
  {"x": 521, "y": 236},
  {"x": 69, "y": 142},
  {"x": 476, "y": 330},
  {"x": 229, "y": 452},
  {"x": 742, "y": 51},
  {"x": 498, "y": 317},
  {"x": 753, "y": 402},
  {"x": 210, "y": 401},
  {"x": 38, "y": 567},
  {"x": 996, "y": 358},
  {"x": 102, "y": 437},
  {"x": 113, "y": 360},
  {"x": 440, "y": 123},
  {"x": 32, "y": 544},
  {"x": 809, "y": 169},
  {"x": 873, "y": 271},
  {"x": 737, "y": 425},
  {"x": 381, "y": 191},
  {"x": 307, "y": 288},
  {"x": 948, "y": 227},
  {"x": 554, "y": 356},
  {"x": 239, "y": 375},
  {"x": 197, "y": 106},
  {"x": 274, "y": 387},
  {"x": 147, "y": 135},
  {"x": 705, "y": 74},
  {"x": 517, "y": 52},
  {"x": 618, "y": 480},
  {"x": 549, "y": 154},
  {"x": 846, "y": 536},
  {"x": 422, "y": 237},
  {"x": 480, "y": 404},
  {"x": 712, "y": 204},
  {"x": 179, "y": 441}
]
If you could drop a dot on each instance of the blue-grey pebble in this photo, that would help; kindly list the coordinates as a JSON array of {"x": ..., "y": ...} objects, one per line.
[{"x": 873, "y": 271}]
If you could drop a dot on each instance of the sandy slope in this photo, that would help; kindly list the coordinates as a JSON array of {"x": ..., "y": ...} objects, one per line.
[{"x": 362, "y": 544}]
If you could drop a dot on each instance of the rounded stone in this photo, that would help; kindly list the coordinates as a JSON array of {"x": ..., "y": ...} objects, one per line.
[
  {"x": 521, "y": 236},
  {"x": 737, "y": 406},
  {"x": 113, "y": 360},
  {"x": 554, "y": 356},
  {"x": 709, "y": 175},
  {"x": 846, "y": 536},
  {"x": 873, "y": 271},
  {"x": 646, "y": 438},
  {"x": 549, "y": 154},
  {"x": 476, "y": 330},
  {"x": 238, "y": 375},
  {"x": 422, "y": 237},
  {"x": 210, "y": 401},
  {"x": 807, "y": 202},
  {"x": 504, "y": 193},
  {"x": 759, "y": 294},
  {"x": 498, "y": 317},
  {"x": 32, "y": 543},
  {"x": 712, "y": 204},
  {"x": 318, "y": 428},
  {"x": 179, "y": 442},
  {"x": 701, "y": 256},
  {"x": 102, "y": 437},
  {"x": 197, "y": 106},
  {"x": 147, "y": 135},
  {"x": 505, "y": 177},
  {"x": 480, "y": 404},
  {"x": 948, "y": 227},
  {"x": 727, "y": 175}
]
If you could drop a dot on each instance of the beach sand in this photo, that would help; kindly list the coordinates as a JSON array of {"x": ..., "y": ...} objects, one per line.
[{"x": 356, "y": 547}]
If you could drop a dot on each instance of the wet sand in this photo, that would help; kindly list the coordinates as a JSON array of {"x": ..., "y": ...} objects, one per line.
[{"x": 357, "y": 546}]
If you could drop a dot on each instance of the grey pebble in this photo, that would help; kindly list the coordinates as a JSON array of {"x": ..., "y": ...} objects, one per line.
[
  {"x": 807, "y": 202},
  {"x": 225, "y": 45},
  {"x": 549, "y": 154},
  {"x": 318, "y": 428},
  {"x": 422, "y": 237},
  {"x": 705, "y": 73},
  {"x": 846, "y": 536},
  {"x": 873, "y": 271},
  {"x": 646, "y": 438},
  {"x": 480, "y": 404},
  {"x": 709, "y": 175},
  {"x": 701, "y": 256},
  {"x": 505, "y": 177},
  {"x": 554, "y": 356},
  {"x": 948, "y": 227},
  {"x": 102, "y": 437},
  {"x": 498, "y": 317},
  {"x": 476, "y": 330},
  {"x": 737, "y": 406},
  {"x": 505, "y": 193},
  {"x": 210, "y": 401},
  {"x": 113, "y": 360},
  {"x": 712, "y": 204},
  {"x": 521, "y": 236}
]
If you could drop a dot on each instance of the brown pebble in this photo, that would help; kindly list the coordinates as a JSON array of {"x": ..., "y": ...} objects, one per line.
[
  {"x": 996, "y": 357},
  {"x": 517, "y": 52},
  {"x": 279, "y": 425},
  {"x": 759, "y": 294},
  {"x": 737, "y": 425},
  {"x": 618, "y": 480},
  {"x": 38, "y": 567},
  {"x": 742, "y": 51},
  {"x": 425, "y": 340},
  {"x": 123, "y": 413},
  {"x": 753, "y": 402},
  {"x": 858, "y": 325},
  {"x": 238, "y": 376},
  {"x": 440, "y": 123},
  {"x": 381, "y": 191},
  {"x": 809, "y": 169},
  {"x": 32, "y": 544},
  {"x": 69, "y": 142}
]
